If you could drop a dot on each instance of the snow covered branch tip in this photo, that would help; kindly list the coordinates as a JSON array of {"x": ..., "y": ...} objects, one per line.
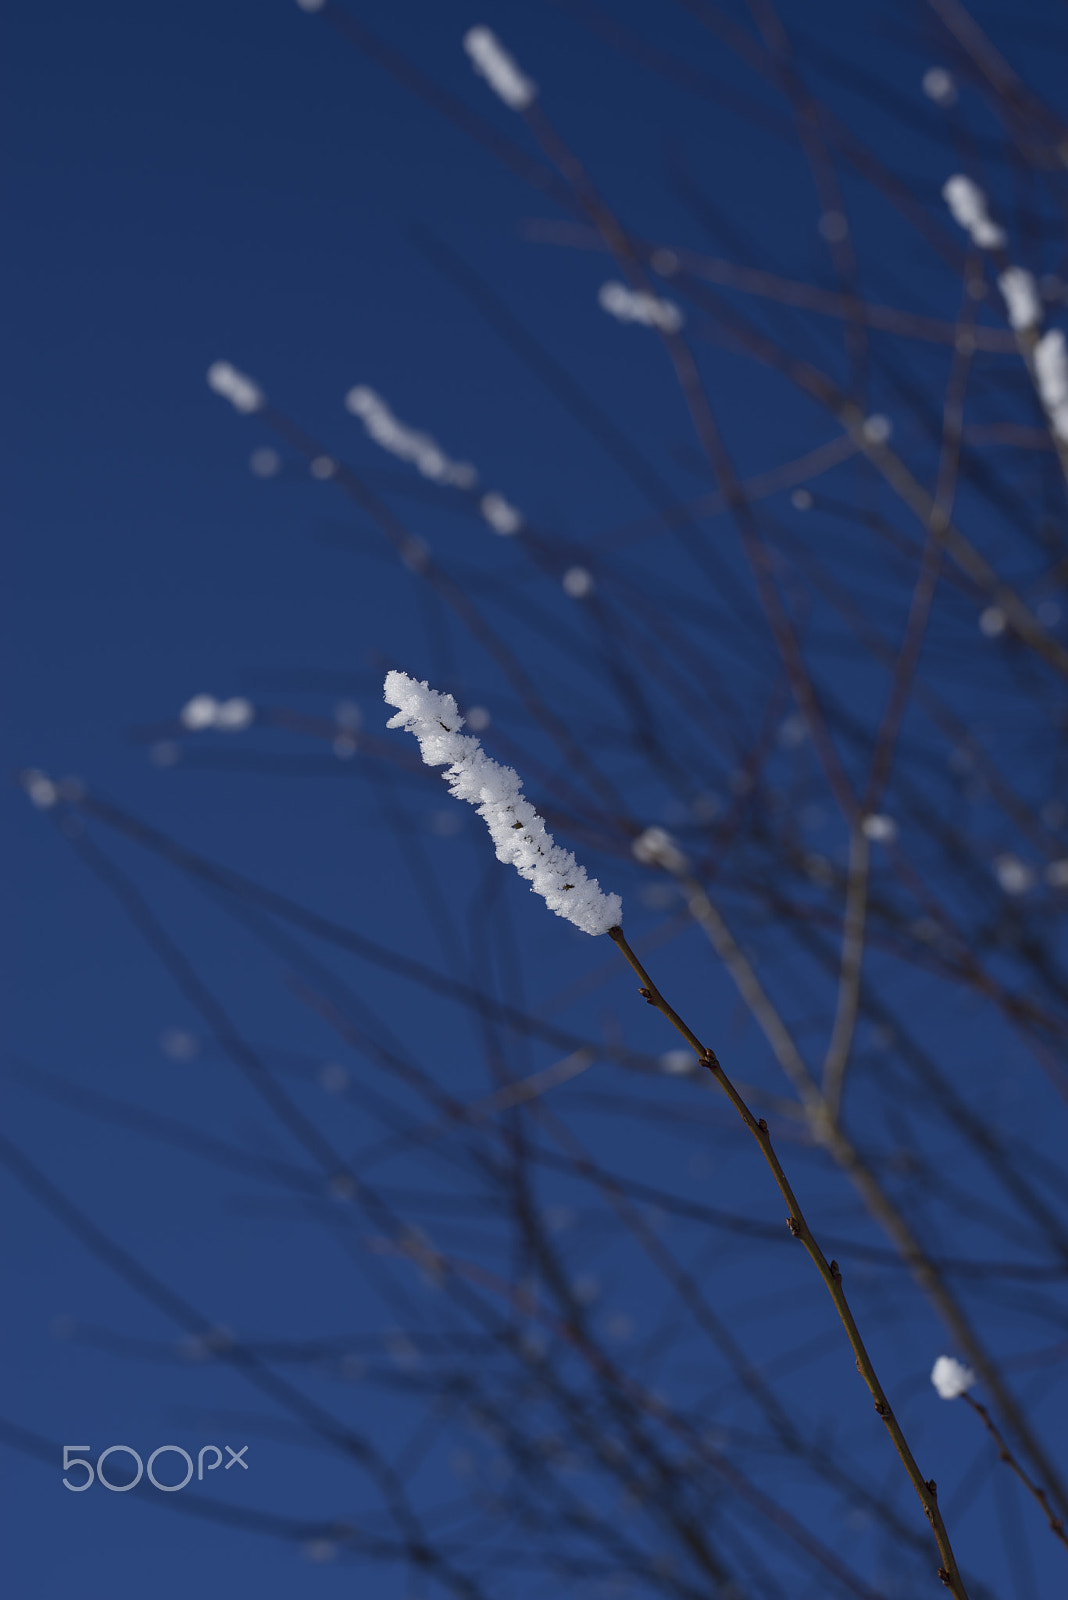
[
  {"x": 425, "y": 454},
  {"x": 967, "y": 202},
  {"x": 227, "y": 716},
  {"x": 1051, "y": 375},
  {"x": 244, "y": 395},
  {"x": 491, "y": 61},
  {"x": 517, "y": 831},
  {"x": 635, "y": 305},
  {"x": 501, "y": 515},
  {"x": 1022, "y": 302}
]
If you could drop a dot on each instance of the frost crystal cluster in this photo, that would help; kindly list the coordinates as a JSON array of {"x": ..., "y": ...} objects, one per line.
[
  {"x": 244, "y": 395},
  {"x": 938, "y": 86},
  {"x": 491, "y": 60},
  {"x": 227, "y": 716},
  {"x": 1021, "y": 297},
  {"x": 420, "y": 449},
  {"x": 1051, "y": 375},
  {"x": 967, "y": 202},
  {"x": 656, "y": 848},
  {"x": 496, "y": 792},
  {"x": 502, "y": 517},
  {"x": 634, "y": 305}
]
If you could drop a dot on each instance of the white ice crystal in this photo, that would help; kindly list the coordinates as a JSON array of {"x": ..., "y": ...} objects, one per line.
[
  {"x": 635, "y": 305},
  {"x": 491, "y": 61},
  {"x": 409, "y": 444},
  {"x": 502, "y": 517},
  {"x": 951, "y": 1377},
  {"x": 967, "y": 202},
  {"x": 517, "y": 831},
  {"x": 1022, "y": 302},
  {"x": 265, "y": 462},
  {"x": 199, "y": 712},
  {"x": 228, "y": 716},
  {"x": 244, "y": 395},
  {"x": 39, "y": 786},
  {"x": 1051, "y": 374},
  {"x": 232, "y": 716},
  {"x": 577, "y": 583},
  {"x": 1014, "y": 875},
  {"x": 656, "y": 848},
  {"x": 877, "y": 428},
  {"x": 938, "y": 86},
  {"x": 678, "y": 1063}
]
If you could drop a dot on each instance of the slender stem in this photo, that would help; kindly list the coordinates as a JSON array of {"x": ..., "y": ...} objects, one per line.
[
  {"x": 848, "y": 1007},
  {"x": 1006, "y": 1455},
  {"x": 828, "y": 1270}
]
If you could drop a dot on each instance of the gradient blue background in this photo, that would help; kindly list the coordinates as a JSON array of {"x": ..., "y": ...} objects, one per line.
[{"x": 229, "y": 179}]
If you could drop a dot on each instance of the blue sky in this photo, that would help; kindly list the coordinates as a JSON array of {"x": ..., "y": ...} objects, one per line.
[{"x": 235, "y": 181}]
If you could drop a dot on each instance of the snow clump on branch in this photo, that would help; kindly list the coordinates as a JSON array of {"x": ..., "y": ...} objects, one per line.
[
  {"x": 938, "y": 86},
  {"x": 491, "y": 61},
  {"x": 420, "y": 449},
  {"x": 951, "y": 1377},
  {"x": 635, "y": 305},
  {"x": 967, "y": 202},
  {"x": 244, "y": 395},
  {"x": 227, "y": 716},
  {"x": 496, "y": 792},
  {"x": 427, "y": 456},
  {"x": 656, "y": 848},
  {"x": 1022, "y": 302},
  {"x": 502, "y": 517},
  {"x": 1051, "y": 375}
]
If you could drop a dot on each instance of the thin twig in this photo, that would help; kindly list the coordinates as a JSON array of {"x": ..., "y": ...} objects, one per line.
[
  {"x": 829, "y": 1271},
  {"x": 848, "y": 1005},
  {"x": 1006, "y": 1455}
]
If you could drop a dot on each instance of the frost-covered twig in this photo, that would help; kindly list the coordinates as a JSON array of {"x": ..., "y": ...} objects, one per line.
[
  {"x": 1022, "y": 301},
  {"x": 491, "y": 61},
  {"x": 515, "y": 827},
  {"x": 243, "y": 394},
  {"x": 1051, "y": 376},
  {"x": 501, "y": 515},
  {"x": 227, "y": 716},
  {"x": 425, "y": 454},
  {"x": 967, "y": 202},
  {"x": 1045, "y": 357},
  {"x": 637, "y": 305}
]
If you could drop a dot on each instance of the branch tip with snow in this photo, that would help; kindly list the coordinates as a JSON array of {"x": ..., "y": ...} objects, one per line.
[
  {"x": 637, "y": 305},
  {"x": 968, "y": 206},
  {"x": 496, "y": 792},
  {"x": 1023, "y": 303},
  {"x": 409, "y": 444},
  {"x": 243, "y": 394},
  {"x": 492, "y": 61},
  {"x": 1051, "y": 376}
]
